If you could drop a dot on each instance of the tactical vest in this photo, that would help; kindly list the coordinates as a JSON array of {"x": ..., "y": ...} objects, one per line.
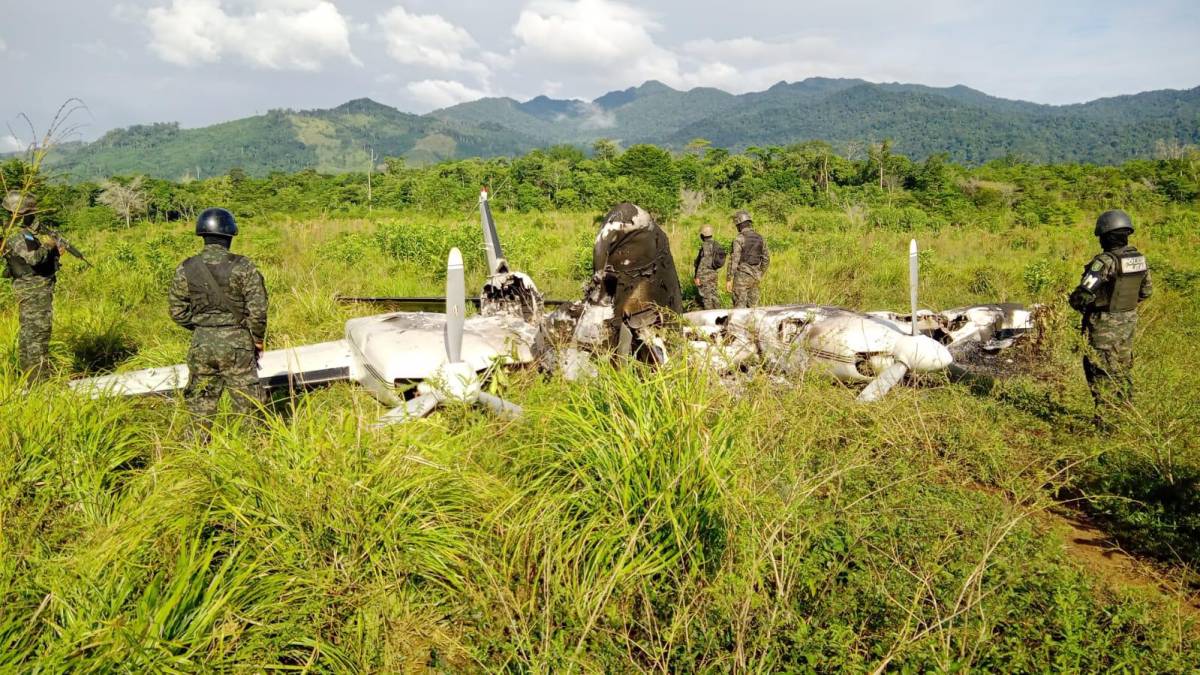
[
  {"x": 17, "y": 268},
  {"x": 752, "y": 248},
  {"x": 209, "y": 291},
  {"x": 1129, "y": 270}
]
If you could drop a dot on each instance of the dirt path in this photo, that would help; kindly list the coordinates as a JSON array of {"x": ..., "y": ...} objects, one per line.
[{"x": 1100, "y": 554}]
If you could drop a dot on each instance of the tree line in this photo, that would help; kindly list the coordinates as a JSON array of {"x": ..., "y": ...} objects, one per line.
[{"x": 869, "y": 181}]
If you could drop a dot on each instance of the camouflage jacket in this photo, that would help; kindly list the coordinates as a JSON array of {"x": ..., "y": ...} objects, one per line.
[
  {"x": 192, "y": 307},
  {"x": 1099, "y": 276},
  {"x": 706, "y": 260},
  {"x": 28, "y": 254},
  {"x": 746, "y": 247}
]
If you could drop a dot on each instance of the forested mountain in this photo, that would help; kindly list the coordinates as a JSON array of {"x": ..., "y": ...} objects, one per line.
[{"x": 969, "y": 125}]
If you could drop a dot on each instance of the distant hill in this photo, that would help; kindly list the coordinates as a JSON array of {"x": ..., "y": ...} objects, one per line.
[{"x": 970, "y": 125}]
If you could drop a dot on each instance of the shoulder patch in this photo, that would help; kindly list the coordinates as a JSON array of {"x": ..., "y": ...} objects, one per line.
[{"x": 1096, "y": 266}]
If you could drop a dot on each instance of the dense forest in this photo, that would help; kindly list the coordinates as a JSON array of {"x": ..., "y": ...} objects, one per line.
[
  {"x": 966, "y": 125},
  {"x": 880, "y": 186}
]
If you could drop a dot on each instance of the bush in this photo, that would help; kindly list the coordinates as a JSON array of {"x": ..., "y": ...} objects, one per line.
[{"x": 93, "y": 218}]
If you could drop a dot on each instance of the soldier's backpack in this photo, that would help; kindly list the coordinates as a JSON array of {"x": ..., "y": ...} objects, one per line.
[{"x": 719, "y": 255}]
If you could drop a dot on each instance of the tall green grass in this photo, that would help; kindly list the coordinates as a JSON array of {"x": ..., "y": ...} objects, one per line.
[{"x": 646, "y": 520}]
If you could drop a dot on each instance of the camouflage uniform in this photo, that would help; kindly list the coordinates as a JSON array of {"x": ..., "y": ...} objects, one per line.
[
  {"x": 705, "y": 274},
  {"x": 1113, "y": 284},
  {"x": 32, "y": 263},
  {"x": 223, "y": 354},
  {"x": 748, "y": 264}
]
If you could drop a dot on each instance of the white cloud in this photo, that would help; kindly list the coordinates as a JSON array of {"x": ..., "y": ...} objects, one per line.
[
  {"x": 749, "y": 64},
  {"x": 595, "y": 117},
  {"x": 3, "y": 45},
  {"x": 443, "y": 93},
  {"x": 428, "y": 40},
  {"x": 273, "y": 34},
  {"x": 611, "y": 38},
  {"x": 10, "y": 143}
]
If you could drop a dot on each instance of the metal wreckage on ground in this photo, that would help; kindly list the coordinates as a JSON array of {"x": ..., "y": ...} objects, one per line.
[{"x": 413, "y": 360}]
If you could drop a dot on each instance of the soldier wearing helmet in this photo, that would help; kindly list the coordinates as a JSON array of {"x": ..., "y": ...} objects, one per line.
[
  {"x": 747, "y": 263},
  {"x": 222, "y": 299},
  {"x": 31, "y": 258},
  {"x": 1113, "y": 284},
  {"x": 709, "y": 260}
]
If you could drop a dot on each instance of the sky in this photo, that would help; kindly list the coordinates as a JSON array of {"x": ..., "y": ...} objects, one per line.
[{"x": 199, "y": 62}]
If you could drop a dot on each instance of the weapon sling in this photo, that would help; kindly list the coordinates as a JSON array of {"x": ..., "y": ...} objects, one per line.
[{"x": 215, "y": 292}]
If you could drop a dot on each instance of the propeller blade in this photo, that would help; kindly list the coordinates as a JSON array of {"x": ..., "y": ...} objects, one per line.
[
  {"x": 456, "y": 306},
  {"x": 625, "y": 341},
  {"x": 491, "y": 240},
  {"x": 913, "y": 265},
  {"x": 499, "y": 406},
  {"x": 883, "y": 383},
  {"x": 413, "y": 409}
]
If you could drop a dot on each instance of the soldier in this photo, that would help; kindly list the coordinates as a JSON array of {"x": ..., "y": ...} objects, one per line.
[
  {"x": 32, "y": 261},
  {"x": 633, "y": 265},
  {"x": 747, "y": 264},
  {"x": 1113, "y": 284},
  {"x": 709, "y": 260},
  {"x": 221, "y": 298}
]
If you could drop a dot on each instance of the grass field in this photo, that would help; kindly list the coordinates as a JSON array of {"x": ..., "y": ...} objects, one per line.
[{"x": 642, "y": 521}]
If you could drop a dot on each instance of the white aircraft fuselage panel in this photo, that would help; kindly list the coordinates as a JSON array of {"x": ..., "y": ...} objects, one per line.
[
  {"x": 850, "y": 346},
  {"x": 407, "y": 347},
  {"x": 292, "y": 367}
]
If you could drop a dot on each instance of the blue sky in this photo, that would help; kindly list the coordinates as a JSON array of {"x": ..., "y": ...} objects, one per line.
[{"x": 204, "y": 61}]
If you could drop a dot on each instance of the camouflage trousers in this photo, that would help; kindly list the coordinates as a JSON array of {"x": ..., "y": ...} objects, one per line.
[
  {"x": 1109, "y": 363},
  {"x": 221, "y": 359},
  {"x": 709, "y": 297},
  {"x": 745, "y": 290},
  {"x": 35, "y": 302}
]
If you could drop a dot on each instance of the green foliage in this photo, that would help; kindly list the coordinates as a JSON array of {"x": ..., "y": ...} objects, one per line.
[
  {"x": 931, "y": 124},
  {"x": 645, "y": 520}
]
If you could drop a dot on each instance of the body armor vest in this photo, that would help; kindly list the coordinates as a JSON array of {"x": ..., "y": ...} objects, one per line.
[
  {"x": 752, "y": 248},
  {"x": 213, "y": 304},
  {"x": 1129, "y": 270}
]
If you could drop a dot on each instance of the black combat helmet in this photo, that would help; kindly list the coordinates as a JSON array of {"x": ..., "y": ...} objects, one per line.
[
  {"x": 1113, "y": 221},
  {"x": 216, "y": 221}
]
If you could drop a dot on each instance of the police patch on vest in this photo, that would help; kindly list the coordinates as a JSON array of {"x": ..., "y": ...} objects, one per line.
[{"x": 1133, "y": 264}]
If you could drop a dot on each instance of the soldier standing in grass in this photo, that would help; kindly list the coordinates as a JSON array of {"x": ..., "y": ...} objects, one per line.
[
  {"x": 31, "y": 260},
  {"x": 221, "y": 298},
  {"x": 747, "y": 263},
  {"x": 709, "y": 260},
  {"x": 1113, "y": 284}
]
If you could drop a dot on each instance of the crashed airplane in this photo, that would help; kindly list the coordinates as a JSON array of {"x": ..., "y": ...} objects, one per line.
[{"x": 413, "y": 360}]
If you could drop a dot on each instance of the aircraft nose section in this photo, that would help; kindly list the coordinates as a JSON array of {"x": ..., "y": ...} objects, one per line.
[{"x": 923, "y": 354}]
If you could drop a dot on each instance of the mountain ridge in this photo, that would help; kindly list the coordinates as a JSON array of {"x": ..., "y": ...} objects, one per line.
[{"x": 969, "y": 125}]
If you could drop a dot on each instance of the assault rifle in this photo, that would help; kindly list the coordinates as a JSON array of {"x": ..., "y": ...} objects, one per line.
[{"x": 67, "y": 246}]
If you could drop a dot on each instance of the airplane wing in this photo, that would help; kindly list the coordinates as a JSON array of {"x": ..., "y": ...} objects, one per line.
[{"x": 294, "y": 367}]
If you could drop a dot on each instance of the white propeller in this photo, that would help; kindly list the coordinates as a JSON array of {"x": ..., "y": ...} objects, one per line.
[
  {"x": 907, "y": 348},
  {"x": 491, "y": 239},
  {"x": 456, "y": 380}
]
